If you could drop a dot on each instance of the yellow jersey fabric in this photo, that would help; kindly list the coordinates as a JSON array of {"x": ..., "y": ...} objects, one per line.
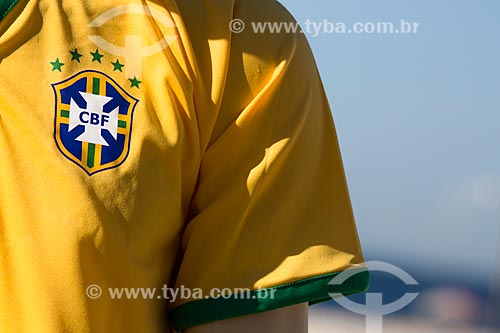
[{"x": 142, "y": 143}]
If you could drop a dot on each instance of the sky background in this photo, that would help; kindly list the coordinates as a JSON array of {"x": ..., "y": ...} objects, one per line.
[{"x": 418, "y": 119}]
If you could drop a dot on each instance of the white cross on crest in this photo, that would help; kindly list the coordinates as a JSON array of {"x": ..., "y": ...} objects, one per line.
[{"x": 93, "y": 118}]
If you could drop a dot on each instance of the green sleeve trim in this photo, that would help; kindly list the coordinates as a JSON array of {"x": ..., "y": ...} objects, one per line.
[
  {"x": 5, "y": 7},
  {"x": 312, "y": 290}
]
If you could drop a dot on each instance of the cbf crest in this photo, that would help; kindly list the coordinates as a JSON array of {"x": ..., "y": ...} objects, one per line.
[{"x": 93, "y": 121}]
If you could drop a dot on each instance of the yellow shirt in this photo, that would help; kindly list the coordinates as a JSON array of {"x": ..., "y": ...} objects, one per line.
[{"x": 143, "y": 144}]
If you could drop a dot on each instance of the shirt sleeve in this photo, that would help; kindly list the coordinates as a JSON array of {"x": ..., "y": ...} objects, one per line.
[{"x": 271, "y": 222}]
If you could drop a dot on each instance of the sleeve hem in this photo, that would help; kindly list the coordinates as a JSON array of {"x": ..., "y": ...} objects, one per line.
[
  {"x": 6, "y": 7},
  {"x": 312, "y": 290}
]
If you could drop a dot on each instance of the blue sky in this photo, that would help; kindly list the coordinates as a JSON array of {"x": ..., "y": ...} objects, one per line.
[{"x": 418, "y": 117}]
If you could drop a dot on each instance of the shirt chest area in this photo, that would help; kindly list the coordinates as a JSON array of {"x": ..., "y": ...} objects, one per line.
[
  {"x": 88, "y": 116},
  {"x": 77, "y": 115}
]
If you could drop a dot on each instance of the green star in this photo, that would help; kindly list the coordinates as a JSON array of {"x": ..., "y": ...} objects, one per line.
[
  {"x": 134, "y": 82},
  {"x": 117, "y": 66},
  {"x": 96, "y": 56},
  {"x": 57, "y": 65},
  {"x": 75, "y": 55}
]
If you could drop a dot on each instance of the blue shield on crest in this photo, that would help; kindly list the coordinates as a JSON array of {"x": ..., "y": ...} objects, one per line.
[{"x": 93, "y": 121}]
